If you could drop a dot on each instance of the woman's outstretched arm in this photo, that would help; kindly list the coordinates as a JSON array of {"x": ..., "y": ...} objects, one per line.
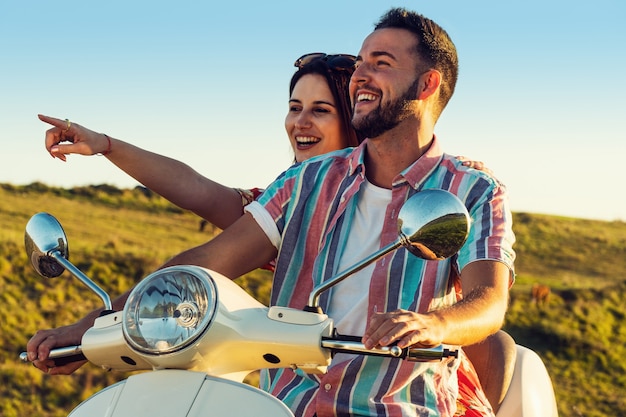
[{"x": 172, "y": 179}]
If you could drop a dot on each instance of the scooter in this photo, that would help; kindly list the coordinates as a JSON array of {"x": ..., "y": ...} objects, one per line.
[{"x": 199, "y": 333}]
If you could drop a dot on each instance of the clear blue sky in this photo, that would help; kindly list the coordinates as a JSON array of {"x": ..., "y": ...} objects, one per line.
[{"x": 541, "y": 96}]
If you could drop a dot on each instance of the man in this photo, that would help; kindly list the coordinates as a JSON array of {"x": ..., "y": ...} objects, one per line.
[{"x": 327, "y": 213}]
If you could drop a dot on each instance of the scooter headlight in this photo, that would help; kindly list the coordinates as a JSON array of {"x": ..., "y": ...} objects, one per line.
[{"x": 169, "y": 309}]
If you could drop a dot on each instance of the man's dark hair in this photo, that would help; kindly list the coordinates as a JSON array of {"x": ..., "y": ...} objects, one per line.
[{"x": 434, "y": 47}]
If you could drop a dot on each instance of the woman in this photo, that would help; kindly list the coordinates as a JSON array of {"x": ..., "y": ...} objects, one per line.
[{"x": 317, "y": 122}]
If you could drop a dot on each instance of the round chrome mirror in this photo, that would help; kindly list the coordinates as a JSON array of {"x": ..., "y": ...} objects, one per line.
[
  {"x": 433, "y": 224},
  {"x": 44, "y": 236}
]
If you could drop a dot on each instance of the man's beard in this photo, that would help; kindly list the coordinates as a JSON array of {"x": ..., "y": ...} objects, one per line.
[{"x": 387, "y": 116}]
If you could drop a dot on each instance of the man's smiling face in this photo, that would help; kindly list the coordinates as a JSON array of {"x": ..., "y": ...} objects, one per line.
[{"x": 385, "y": 82}]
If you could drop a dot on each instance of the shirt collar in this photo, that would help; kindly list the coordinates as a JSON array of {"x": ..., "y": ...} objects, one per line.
[
  {"x": 356, "y": 160},
  {"x": 421, "y": 169},
  {"x": 414, "y": 175}
]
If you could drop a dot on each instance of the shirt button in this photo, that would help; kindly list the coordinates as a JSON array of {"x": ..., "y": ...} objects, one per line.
[{"x": 327, "y": 387}]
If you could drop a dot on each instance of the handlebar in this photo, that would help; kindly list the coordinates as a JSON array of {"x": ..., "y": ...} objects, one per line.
[
  {"x": 62, "y": 355},
  {"x": 352, "y": 344},
  {"x": 346, "y": 344}
]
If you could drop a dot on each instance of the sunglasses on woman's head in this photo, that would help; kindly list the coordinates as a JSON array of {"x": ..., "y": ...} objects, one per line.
[{"x": 337, "y": 62}]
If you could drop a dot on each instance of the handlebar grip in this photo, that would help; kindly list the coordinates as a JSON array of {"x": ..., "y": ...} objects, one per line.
[
  {"x": 430, "y": 354},
  {"x": 69, "y": 359},
  {"x": 62, "y": 356}
]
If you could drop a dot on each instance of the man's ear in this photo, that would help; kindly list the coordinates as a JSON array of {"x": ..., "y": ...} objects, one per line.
[{"x": 431, "y": 80}]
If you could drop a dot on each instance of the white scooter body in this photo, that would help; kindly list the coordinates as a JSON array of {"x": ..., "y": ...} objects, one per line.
[
  {"x": 168, "y": 392},
  {"x": 530, "y": 393}
]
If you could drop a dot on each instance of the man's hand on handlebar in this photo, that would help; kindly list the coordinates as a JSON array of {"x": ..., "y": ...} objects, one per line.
[{"x": 40, "y": 345}]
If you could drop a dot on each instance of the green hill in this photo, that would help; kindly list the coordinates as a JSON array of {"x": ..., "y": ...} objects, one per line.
[{"x": 119, "y": 236}]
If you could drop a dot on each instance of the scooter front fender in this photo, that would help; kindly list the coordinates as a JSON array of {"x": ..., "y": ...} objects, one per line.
[{"x": 168, "y": 393}]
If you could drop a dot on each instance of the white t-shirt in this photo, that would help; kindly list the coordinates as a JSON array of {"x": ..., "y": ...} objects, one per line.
[{"x": 349, "y": 298}]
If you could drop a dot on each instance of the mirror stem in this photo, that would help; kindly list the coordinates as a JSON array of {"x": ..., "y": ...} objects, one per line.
[
  {"x": 314, "y": 298},
  {"x": 83, "y": 278}
]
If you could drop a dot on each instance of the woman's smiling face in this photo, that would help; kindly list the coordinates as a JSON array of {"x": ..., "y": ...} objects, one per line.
[{"x": 313, "y": 123}]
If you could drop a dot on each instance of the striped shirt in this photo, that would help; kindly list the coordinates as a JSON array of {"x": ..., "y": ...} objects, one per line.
[{"x": 311, "y": 206}]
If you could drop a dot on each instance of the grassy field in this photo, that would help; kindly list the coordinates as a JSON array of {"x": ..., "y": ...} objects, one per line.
[{"x": 119, "y": 236}]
